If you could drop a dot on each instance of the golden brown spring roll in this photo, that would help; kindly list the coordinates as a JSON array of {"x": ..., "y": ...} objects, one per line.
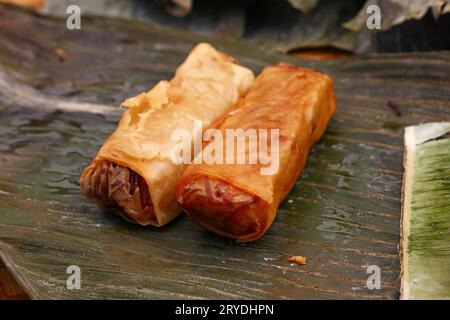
[
  {"x": 238, "y": 200},
  {"x": 133, "y": 170}
]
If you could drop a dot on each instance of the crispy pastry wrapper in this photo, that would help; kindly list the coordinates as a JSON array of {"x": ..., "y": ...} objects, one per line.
[
  {"x": 205, "y": 87},
  {"x": 236, "y": 200}
]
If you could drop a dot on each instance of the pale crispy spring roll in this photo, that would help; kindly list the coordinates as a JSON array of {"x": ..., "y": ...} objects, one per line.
[
  {"x": 133, "y": 170},
  {"x": 240, "y": 201}
]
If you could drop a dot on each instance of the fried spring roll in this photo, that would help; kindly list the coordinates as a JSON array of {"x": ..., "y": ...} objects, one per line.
[
  {"x": 133, "y": 170},
  {"x": 237, "y": 200}
]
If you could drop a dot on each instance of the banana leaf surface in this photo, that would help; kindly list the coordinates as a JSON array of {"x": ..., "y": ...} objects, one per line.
[{"x": 58, "y": 95}]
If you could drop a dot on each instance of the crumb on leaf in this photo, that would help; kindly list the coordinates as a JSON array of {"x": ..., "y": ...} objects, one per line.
[
  {"x": 298, "y": 259},
  {"x": 61, "y": 54}
]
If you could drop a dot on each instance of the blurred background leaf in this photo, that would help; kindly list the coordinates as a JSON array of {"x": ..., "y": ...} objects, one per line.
[
  {"x": 285, "y": 26},
  {"x": 304, "y": 5},
  {"x": 396, "y": 12},
  {"x": 274, "y": 25},
  {"x": 177, "y": 8}
]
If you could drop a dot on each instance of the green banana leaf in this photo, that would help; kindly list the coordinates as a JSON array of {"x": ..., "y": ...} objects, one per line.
[
  {"x": 426, "y": 212},
  {"x": 343, "y": 214}
]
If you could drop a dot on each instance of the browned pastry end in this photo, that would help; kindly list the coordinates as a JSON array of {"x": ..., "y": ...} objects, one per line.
[
  {"x": 219, "y": 205},
  {"x": 116, "y": 187}
]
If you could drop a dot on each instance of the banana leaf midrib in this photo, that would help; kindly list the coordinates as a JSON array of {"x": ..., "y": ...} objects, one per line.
[{"x": 424, "y": 248}]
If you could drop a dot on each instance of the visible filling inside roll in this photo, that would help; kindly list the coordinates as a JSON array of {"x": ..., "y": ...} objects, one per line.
[
  {"x": 115, "y": 186},
  {"x": 222, "y": 207}
]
